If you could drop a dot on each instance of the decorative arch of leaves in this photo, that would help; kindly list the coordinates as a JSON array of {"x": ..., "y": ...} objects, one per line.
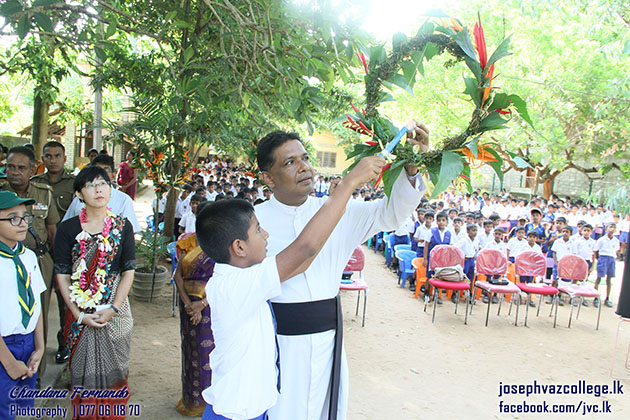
[{"x": 492, "y": 110}]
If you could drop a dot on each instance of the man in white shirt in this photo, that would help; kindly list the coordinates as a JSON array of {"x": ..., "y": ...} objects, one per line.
[
  {"x": 606, "y": 250},
  {"x": 311, "y": 354},
  {"x": 120, "y": 203}
]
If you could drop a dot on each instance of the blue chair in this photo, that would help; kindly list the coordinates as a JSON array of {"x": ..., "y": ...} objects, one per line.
[
  {"x": 389, "y": 249},
  {"x": 378, "y": 241},
  {"x": 401, "y": 247},
  {"x": 405, "y": 267},
  {"x": 150, "y": 220},
  {"x": 172, "y": 249}
]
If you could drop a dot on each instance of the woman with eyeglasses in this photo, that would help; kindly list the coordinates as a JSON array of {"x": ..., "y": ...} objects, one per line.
[{"x": 94, "y": 265}]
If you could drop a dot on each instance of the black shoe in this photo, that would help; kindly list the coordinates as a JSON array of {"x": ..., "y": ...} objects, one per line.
[
  {"x": 63, "y": 354},
  {"x": 485, "y": 299},
  {"x": 439, "y": 300},
  {"x": 495, "y": 299},
  {"x": 585, "y": 303},
  {"x": 532, "y": 304},
  {"x": 560, "y": 302},
  {"x": 608, "y": 303},
  {"x": 412, "y": 286},
  {"x": 454, "y": 298},
  {"x": 596, "y": 302}
]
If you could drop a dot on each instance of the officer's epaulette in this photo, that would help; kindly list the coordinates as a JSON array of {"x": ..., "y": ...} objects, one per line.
[{"x": 41, "y": 186}]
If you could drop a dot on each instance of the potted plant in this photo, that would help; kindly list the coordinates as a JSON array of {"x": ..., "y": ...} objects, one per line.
[{"x": 150, "y": 277}]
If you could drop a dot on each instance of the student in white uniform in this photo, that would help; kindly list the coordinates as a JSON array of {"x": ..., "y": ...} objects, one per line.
[
  {"x": 187, "y": 224},
  {"x": 606, "y": 250},
  {"x": 21, "y": 282},
  {"x": 308, "y": 349},
  {"x": 246, "y": 374}
]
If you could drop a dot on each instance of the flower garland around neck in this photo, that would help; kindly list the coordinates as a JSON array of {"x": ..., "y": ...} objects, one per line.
[{"x": 85, "y": 293}]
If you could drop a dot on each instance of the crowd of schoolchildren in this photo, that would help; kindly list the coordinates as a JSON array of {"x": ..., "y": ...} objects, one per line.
[{"x": 554, "y": 227}]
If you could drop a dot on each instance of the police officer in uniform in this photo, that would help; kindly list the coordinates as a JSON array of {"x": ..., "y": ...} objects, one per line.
[
  {"x": 54, "y": 158},
  {"x": 41, "y": 233}
]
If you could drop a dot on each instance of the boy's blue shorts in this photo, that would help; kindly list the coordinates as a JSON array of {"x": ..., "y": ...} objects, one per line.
[{"x": 606, "y": 266}]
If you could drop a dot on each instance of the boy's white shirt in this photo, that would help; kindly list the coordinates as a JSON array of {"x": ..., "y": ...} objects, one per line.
[
  {"x": 11, "y": 319},
  {"x": 501, "y": 246},
  {"x": 607, "y": 247},
  {"x": 188, "y": 222},
  {"x": 469, "y": 247},
  {"x": 584, "y": 247},
  {"x": 243, "y": 362},
  {"x": 516, "y": 246},
  {"x": 562, "y": 248}
]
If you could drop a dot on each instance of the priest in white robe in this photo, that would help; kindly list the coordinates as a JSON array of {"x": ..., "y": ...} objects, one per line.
[{"x": 306, "y": 360}]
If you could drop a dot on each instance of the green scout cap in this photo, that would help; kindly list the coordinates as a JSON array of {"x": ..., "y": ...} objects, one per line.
[{"x": 10, "y": 199}]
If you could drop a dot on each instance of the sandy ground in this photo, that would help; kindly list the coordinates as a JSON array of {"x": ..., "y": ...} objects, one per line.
[{"x": 404, "y": 367}]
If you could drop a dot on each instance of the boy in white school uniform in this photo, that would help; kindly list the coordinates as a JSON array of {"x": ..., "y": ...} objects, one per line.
[
  {"x": 246, "y": 377},
  {"x": 517, "y": 244},
  {"x": 561, "y": 247},
  {"x": 496, "y": 243},
  {"x": 606, "y": 250},
  {"x": 22, "y": 328}
]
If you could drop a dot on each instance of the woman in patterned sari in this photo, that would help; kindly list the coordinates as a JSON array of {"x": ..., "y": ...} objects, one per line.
[
  {"x": 191, "y": 276},
  {"x": 94, "y": 266}
]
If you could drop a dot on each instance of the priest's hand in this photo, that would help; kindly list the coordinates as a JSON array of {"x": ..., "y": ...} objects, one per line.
[
  {"x": 418, "y": 134},
  {"x": 368, "y": 169}
]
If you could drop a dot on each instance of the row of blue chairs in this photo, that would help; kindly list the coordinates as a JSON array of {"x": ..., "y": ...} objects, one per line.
[{"x": 402, "y": 252}]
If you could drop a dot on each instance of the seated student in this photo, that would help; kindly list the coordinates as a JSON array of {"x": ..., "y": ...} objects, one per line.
[
  {"x": 606, "y": 250},
  {"x": 419, "y": 221},
  {"x": 498, "y": 244},
  {"x": 521, "y": 221},
  {"x": 21, "y": 324},
  {"x": 423, "y": 233},
  {"x": 469, "y": 246},
  {"x": 495, "y": 219},
  {"x": 516, "y": 245},
  {"x": 187, "y": 224},
  {"x": 246, "y": 379},
  {"x": 439, "y": 236}
]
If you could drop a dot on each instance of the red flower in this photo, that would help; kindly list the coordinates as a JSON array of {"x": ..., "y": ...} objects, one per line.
[
  {"x": 378, "y": 180},
  {"x": 480, "y": 42},
  {"x": 362, "y": 60},
  {"x": 371, "y": 143}
]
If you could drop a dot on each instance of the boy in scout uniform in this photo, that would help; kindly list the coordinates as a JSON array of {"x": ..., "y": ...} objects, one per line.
[
  {"x": 54, "y": 158},
  {"x": 41, "y": 233}
]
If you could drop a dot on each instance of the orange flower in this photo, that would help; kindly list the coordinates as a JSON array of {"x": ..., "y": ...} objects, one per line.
[{"x": 484, "y": 155}]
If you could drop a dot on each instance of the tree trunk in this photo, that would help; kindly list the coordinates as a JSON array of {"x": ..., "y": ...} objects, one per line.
[
  {"x": 548, "y": 187},
  {"x": 39, "y": 134}
]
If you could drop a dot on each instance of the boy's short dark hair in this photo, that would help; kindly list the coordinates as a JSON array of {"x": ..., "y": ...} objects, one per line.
[
  {"x": 458, "y": 219},
  {"x": 470, "y": 227},
  {"x": 200, "y": 189},
  {"x": 89, "y": 174},
  {"x": 440, "y": 214},
  {"x": 487, "y": 222},
  {"x": 561, "y": 220},
  {"x": 533, "y": 233},
  {"x": 219, "y": 224},
  {"x": 568, "y": 228},
  {"x": 430, "y": 214},
  {"x": 495, "y": 216},
  {"x": 103, "y": 160},
  {"x": 53, "y": 143},
  {"x": 198, "y": 198},
  {"x": 500, "y": 229},
  {"x": 587, "y": 226},
  {"x": 268, "y": 144},
  {"x": 519, "y": 228},
  {"x": 185, "y": 187}
]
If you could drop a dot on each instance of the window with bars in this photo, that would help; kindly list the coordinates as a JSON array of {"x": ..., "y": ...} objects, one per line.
[{"x": 327, "y": 159}]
